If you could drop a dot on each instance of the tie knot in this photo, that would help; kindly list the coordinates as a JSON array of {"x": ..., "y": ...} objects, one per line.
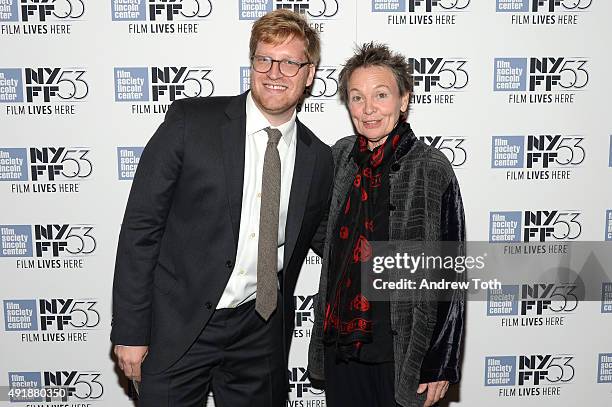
[{"x": 274, "y": 135}]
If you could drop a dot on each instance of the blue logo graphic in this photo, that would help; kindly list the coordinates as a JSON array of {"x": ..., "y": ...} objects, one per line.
[
  {"x": 127, "y": 161},
  {"x": 9, "y": 10},
  {"x": 507, "y": 151},
  {"x": 512, "y": 6},
  {"x": 510, "y": 74},
  {"x": 20, "y": 315},
  {"x": 500, "y": 371},
  {"x": 128, "y": 10},
  {"x": 388, "y": 6},
  {"x": 606, "y": 298},
  {"x": 609, "y": 225},
  {"x": 610, "y": 157},
  {"x": 13, "y": 164},
  {"x": 505, "y": 226},
  {"x": 253, "y": 9},
  {"x": 245, "y": 78},
  {"x": 11, "y": 85},
  {"x": 24, "y": 381},
  {"x": 604, "y": 368},
  {"x": 16, "y": 241},
  {"x": 503, "y": 301},
  {"x": 131, "y": 84}
]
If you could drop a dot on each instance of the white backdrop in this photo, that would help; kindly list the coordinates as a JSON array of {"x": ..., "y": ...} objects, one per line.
[{"x": 84, "y": 84}]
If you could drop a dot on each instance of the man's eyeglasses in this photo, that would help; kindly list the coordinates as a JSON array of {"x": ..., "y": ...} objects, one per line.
[{"x": 287, "y": 67}]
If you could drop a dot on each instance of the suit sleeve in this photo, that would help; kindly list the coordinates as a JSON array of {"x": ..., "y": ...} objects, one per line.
[
  {"x": 143, "y": 228},
  {"x": 442, "y": 360},
  {"x": 318, "y": 240}
]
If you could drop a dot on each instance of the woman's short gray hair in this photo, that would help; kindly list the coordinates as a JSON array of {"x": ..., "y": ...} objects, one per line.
[{"x": 376, "y": 54}]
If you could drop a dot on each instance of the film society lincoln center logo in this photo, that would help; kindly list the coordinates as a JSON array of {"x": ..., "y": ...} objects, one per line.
[
  {"x": 421, "y": 12},
  {"x": 152, "y": 89},
  {"x": 313, "y": 9},
  {"x": 540, "y": 80},
  {"x": 538, "y": 157},
  {"x": 43, "y": 90},
  {"x": 543, "y": 12},
  {"x": 152, "y": 17},
  {"x": 51, "y": 319},
  {"x": 55, "y": 385},
  {"x": 536, "y": 304},
  {"x": 534, "y": 226},
  {"x": 40, "y": 17},
  {"x": 534, "y": 375},
  {"x": 48, "y": 246},
  {"x": 58, "y": 169}
]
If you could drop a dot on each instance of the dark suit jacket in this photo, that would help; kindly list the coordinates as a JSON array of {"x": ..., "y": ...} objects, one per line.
[{"x": 179, "y": 235}]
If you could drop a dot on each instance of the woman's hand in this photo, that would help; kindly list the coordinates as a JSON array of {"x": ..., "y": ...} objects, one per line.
[{"x": 435, "y": 391}]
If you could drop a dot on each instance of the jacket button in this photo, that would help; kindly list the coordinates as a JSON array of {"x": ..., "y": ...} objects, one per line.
[
  {"x": 391, "y": 207},
  {"x": 208, "y": 305},
  {"x": 395, "y": 167},
  {"x": 229, "y": 264}
]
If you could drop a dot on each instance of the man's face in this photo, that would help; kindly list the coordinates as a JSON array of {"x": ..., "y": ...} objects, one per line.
[{"x": 277, "y": 95}]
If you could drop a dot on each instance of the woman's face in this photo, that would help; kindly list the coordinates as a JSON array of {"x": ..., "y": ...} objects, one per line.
[{"x": 374, "y": 102}]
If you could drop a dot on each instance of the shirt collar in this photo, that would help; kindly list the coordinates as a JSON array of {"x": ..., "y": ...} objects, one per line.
[{"x": 256, "y": 121}]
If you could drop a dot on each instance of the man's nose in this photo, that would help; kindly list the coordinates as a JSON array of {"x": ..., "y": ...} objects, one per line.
[{"x": 274, "y": 72}]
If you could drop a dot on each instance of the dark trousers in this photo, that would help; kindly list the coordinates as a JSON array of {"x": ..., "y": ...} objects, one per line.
[
  {"x": 238, "y": 355},
  {"x": 358, "y": 384}
]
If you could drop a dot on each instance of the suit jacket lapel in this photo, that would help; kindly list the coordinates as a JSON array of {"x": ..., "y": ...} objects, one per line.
[
  {"x": 233, "y": 142},
  {"x": 305, "y": 161}
]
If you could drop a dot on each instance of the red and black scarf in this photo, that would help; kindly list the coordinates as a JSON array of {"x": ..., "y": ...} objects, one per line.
[{"x": 348, "y": 313}]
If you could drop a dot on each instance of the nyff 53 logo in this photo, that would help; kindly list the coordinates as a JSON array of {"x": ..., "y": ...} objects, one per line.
[
  {"x": 166, "y": 83},
  {"x": 545, "y": 79},
  {"x": 160, "y": 10},
  {"x": 324, "y": 88},
  {"x": 49, "y": 168},
  {"x": 539, "y": 151},
  {"x": 420, "y": 5},
  {"x": 540, "y": 74},
  {"x": 300, "y": 386},
  {"x": 547, "y": 6},
  {"x": 532, "y": 299},
  {"x": 75, "y": 385},
  {"x": 325, "y": 84},
  {"x": 545, "y": 298},
  {"x": 46, "y": 241},
  {"x": 304, "y": 311},
  {"x": 41, "y": 10},
  {"x": 438, "y": 75},
  {"x": 534, "y": 226},
  {"x": 59, "y": 163},
  {"x": 53, "y": 314},
  {"x": 313, "y": 9},
  {"x": 43, "y": 85},
  {"x": 452, "y": 147},
  {"x": 529, "y": 375},
  {"x": 58, "y": 240}
]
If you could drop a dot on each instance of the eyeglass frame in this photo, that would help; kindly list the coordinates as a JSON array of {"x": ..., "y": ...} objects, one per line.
[{"x": 272, "y": 61}]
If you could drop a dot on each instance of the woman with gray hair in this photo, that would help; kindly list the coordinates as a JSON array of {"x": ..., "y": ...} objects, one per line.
[{"x": 388, "y": 186}]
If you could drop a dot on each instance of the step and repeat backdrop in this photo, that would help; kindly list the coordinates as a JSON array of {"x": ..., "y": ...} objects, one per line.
[{"x": 515, "y": 93}]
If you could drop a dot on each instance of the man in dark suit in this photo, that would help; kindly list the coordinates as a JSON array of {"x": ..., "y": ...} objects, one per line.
[{"x": 223, "y": 209}]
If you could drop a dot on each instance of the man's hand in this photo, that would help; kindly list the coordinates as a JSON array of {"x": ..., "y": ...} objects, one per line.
[
  {"x": 130, "y": 358},
  {"x": 435, "y": 391}
]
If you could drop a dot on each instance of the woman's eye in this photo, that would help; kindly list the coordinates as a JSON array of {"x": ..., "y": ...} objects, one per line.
[
  {"x": 382, "y": 95},
  {"x": 355, "y": 98}
]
